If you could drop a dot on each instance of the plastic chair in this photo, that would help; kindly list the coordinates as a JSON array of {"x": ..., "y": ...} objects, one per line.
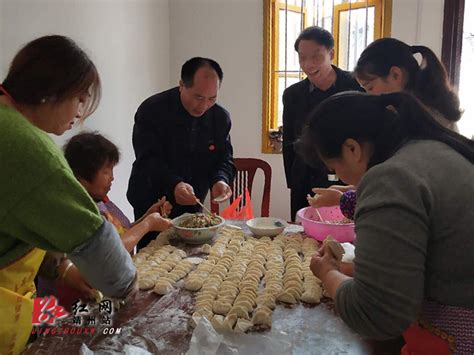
[{"x": 246, "y": 169}]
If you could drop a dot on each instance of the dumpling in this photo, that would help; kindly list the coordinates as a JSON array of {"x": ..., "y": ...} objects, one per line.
[
  {"x": 206, "y": 248},
  {"x": 229, "y": 322},
  {"x": 263, "y": 316},
  {"x": 193, "y": 284},
  {"x": 239, "y": 311},
  {"x": 245, "y": 304},
  {"x": 243, "y": 325},
  {"x": 146, "y": 284},
  {"x": 218, "y": 323},
  {"x": 267, "y": 301},
  {"x": 162, "y": 287},
  {"x": 180, "y": 253},
  {"x": 286, "y": 297},
  {"x": 312, "y": 295},
  {"x": 335, "y": 247},
  {"x": 221, "y": 307}
]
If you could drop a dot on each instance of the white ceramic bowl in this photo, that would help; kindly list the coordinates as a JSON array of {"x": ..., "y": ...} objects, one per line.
[
  {"x": 266, "y": 226},
  {"x": 195, "y": 235}
]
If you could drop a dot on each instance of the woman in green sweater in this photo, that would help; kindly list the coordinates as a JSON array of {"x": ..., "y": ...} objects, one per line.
[
  {"x": 51, "y": 83},
  {"x": 414, "y": 218}
]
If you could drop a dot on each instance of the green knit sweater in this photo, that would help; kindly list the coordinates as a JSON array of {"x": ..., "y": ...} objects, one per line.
[{"x": 41, "y": 202}]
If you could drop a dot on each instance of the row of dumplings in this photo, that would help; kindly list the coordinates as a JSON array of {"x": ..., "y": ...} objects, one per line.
[
  {"x": 196, "y": 279},
  {"x": 232, "y": 293},
  {"x": 160, "y": 267},
  {"x": 229, "y": 300},
  {"x": 312, "y": 285}
]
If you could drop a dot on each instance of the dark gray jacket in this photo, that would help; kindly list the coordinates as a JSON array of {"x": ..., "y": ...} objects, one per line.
[{"x": 415, "y": 239}]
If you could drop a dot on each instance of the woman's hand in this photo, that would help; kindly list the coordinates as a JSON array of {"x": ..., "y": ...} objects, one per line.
[
  {"x": 156, "y": 223},
  {"x": 347, "y": 268},
  {"x": 325, "y": 267},
  {"x": 152, "y": 222},
  {"x": 163, "y": 207},
  {"x": 73, "y": 278},
  {"x": 325, "y": 197},
  {"x": 322, "y": 262}
]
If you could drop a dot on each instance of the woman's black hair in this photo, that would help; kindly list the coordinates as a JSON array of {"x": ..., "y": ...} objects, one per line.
[
  {"x": 88, "y": 152},
  {"x": 428, "y": 82},
  {"x": 53, "y": 68},
  {"x": 386, "y": 121}
]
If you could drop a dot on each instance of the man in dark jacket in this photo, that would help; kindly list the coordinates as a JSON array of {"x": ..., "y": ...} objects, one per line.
[
  {"x": 315, "y": 47},
  {"x": 182, "y": 143}
]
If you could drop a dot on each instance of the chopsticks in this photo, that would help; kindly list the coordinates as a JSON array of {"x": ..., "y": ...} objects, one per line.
[
  {"x": 319, "y": 215},
  {"x": 204, "y": 207},
  {"x": 311, "y": 200},
  {"x": 163, "y": 212}
]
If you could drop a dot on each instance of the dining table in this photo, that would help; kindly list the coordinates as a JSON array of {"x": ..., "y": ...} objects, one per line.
[{"x": 162, "y": 325}]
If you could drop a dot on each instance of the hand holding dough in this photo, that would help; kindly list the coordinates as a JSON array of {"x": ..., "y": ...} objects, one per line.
[{"x": 334, "y": 247}]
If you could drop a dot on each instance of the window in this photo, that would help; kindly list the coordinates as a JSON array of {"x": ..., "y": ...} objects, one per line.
[
  {"x": 353, "y": 23},
  {"x": 458, "y": 57},
  {"x": 466, "y": 85}
]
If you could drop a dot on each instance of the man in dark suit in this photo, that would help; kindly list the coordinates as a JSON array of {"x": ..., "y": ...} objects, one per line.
[
  {"x": 181, "y": 139},
  {"x": 315, "y": 47}
]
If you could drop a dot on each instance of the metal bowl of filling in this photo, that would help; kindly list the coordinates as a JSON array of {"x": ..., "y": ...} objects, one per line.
[{"x": 197, "y": 228}]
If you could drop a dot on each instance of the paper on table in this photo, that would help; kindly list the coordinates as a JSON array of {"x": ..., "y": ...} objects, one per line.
[
  {"x": 349, "y": 253},
  {"x": 297, "y": 331},
  {"x": 207, "y": 341},
  {"x": 127, "y": 350}
]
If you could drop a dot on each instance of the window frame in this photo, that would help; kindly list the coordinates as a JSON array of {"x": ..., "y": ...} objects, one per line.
[
  {"x": 270, "y": 57},
  {"x": 451, "y": 50},
  {"x": 338, "y": 9}
]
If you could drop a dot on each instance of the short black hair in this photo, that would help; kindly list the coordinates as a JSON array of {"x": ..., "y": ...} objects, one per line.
[
  {"x": 88, "y": 152},
  {"x": 316, "y": 34},
  {"x": 189, "y": 69}
]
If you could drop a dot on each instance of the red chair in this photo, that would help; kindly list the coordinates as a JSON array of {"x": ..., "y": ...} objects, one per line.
[{"x": 246, "y": 169}]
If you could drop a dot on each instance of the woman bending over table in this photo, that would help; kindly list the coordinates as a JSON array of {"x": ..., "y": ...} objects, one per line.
[
  {"x": 414, "y": 219},
  {"x": 50, "y": 83}
]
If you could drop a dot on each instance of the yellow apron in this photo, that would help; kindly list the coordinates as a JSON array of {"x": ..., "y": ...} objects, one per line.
[{"x": 17, "y": 292}]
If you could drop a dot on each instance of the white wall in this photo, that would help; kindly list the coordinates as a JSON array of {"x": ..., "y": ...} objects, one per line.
[
  {"x": 419, "y": 22},
  {"x": 128, "y": 41},
  {"x": 140, "y": 45},
  {"x": 231, "y": 32}
]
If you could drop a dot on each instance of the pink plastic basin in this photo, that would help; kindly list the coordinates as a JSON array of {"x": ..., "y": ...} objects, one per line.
[{"x": 320, "y": 230}]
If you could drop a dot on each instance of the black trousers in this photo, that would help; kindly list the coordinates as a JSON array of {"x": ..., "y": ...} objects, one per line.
[{"x": 304, "y": 179}]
